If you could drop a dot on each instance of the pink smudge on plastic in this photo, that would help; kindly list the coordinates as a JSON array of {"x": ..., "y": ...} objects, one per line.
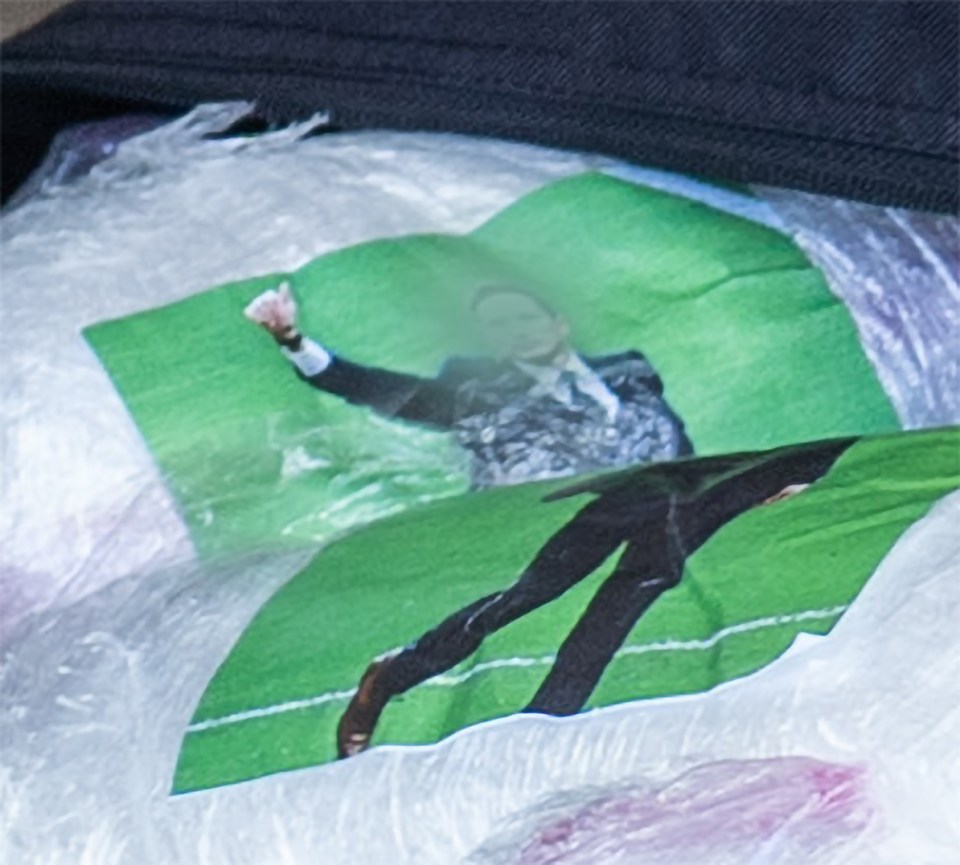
[{"x": 757, "y": 812}]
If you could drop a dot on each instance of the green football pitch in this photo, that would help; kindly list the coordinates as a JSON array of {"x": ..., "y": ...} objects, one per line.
[
  {"x": 754, "y": 349},
  {"x": 775, "y": 571}
]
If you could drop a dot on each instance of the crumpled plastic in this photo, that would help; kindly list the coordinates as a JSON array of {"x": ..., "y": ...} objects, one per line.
[
  {"x": 96, "y": 697},
  {"x": 76, "y": 149},
  {"x": 112, "y": 629},
  {"x": 170, "y": 214},
  {"x": 174, "y": 212},
  {"x": 752, "y": 811}
]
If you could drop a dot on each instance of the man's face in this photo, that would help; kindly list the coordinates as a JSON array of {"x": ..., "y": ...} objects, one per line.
[{"x": 518, "y": 328}]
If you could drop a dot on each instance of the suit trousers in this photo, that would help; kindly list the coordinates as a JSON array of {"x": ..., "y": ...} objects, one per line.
[{"x": 658, "y": 532}]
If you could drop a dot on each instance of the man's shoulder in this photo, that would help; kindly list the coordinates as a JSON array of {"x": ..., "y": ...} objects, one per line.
[{"x": 630, "y": 356}]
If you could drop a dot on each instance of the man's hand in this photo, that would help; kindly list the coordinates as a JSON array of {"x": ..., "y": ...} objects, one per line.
[{"x": 276, "y": 312}]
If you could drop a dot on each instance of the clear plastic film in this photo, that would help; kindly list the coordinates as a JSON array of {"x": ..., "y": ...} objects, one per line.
[
  {"x": 171, "y": 214},
  {"x": 96, "y": 697},
  {"x": 760, "y": 811},
  {"x": 112, "y": 628},
  {"x": 898, "y": 272}
]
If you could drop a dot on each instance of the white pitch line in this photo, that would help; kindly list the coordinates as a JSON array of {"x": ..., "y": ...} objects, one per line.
[
  {"x": 266, "y": 711},
  {"x": 453, "y": 679},
  {"x": 742, "y": 628}
]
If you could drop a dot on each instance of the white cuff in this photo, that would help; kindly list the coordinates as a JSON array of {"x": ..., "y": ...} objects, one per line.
[{"x": 311, "y": 359}]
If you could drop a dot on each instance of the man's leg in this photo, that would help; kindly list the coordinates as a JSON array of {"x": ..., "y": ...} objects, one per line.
[
  {"x": 646, "y": 570},
  {"x": 571, "y": 554},
  {"x": 653, "y": 563}
]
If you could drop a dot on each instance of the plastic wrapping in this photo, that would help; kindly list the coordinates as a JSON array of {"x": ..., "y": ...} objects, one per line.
[
  {"x": 96, "y": 697},
  {"x": 898, "y": 272},
  {"x": 101, "y": 674},
  {"x": 171, "y": 214},
  {"x": 762, "y": 811},
  {"x": 75, "y": 150}
]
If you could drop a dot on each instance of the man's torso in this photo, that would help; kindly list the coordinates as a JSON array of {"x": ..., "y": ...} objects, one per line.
[{"x": 516, "y": 429}]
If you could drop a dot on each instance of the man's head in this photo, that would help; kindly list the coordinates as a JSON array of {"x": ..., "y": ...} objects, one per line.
[{"x": 519, "y": 325}]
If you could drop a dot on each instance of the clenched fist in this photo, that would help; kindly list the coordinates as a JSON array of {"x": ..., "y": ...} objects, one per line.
[{"x": 276, "y": 312}]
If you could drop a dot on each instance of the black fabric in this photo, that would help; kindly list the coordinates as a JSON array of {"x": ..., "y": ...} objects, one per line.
[
  {"x": 659, "y": 530},
  {"x": 428, "y": 401},
  {"x": 851, "y": 99}
]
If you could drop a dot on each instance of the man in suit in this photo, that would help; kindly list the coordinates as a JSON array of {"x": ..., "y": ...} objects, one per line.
[
  {"x": 536, "y": 409},
  {"x": 660, "y": 515}
]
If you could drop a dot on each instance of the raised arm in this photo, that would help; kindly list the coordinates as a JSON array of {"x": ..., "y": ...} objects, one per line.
[{"x": 393, "y": 394}]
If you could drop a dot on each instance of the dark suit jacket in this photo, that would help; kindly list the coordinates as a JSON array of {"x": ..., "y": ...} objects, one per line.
[{"x": 466, "y": 386}]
